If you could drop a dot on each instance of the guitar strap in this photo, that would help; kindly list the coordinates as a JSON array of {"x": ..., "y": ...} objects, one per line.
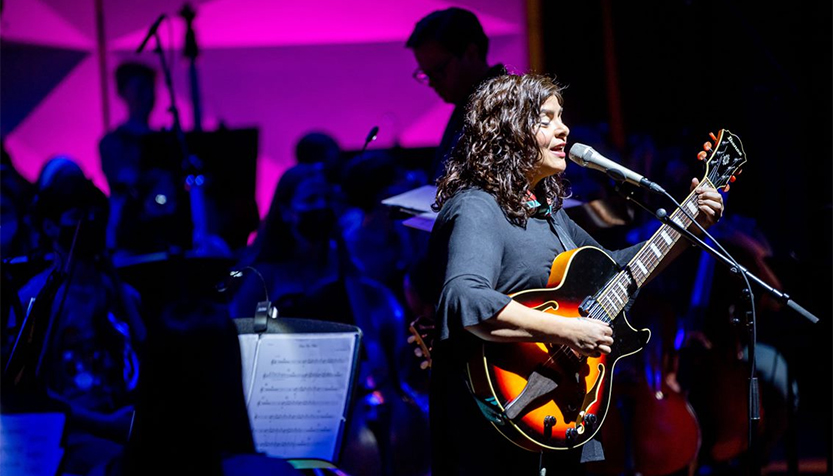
[
  {"x": 560, "y": 231},
  {"x": 553, "y": 217},
  {"x": 488, "y": 407}
]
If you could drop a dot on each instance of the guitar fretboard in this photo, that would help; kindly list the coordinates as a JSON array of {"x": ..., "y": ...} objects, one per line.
[{"x": 616, "y": 294}]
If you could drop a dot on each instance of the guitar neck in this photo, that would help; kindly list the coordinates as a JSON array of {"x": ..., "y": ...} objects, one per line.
[{"x": 616, "y": 294}]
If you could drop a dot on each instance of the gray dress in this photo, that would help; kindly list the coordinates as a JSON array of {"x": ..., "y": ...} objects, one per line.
[{"x": 479, "y": 257}]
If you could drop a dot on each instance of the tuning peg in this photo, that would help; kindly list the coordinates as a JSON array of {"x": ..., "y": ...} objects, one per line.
[
  {"x": 726, "y": 188},
  {"x": 707, "y": 146},
  {"x": 732, "y": 179},
  {"x": 702, "y": 155},
  {"x": 714, "y": 138}
]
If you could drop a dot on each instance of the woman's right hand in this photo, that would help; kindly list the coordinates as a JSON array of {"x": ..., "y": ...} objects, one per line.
[
  {"x": 519, "y": 323},
  {"x": 589, "y": 337}
]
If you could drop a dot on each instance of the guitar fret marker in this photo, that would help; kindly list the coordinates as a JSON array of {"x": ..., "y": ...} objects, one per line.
[
  {"x": 665, "y": 236},
  {"x": 692, "y": 207},
  {"x": 656, "y": 250}
]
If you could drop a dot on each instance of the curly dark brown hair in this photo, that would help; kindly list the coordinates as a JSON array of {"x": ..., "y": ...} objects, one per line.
[{"x": 498, "y": 148}]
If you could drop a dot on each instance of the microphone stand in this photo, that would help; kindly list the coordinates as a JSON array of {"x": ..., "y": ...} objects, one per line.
[
  {"x": 177, "y": 125},
  {"x": 191, "y": 165},
  {"x": 191, "y": 52},
  {"x": 736, "y": 269}
]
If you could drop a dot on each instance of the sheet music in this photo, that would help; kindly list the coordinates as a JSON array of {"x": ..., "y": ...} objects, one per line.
[
  {"x": 248, "y": 348},
  {"x": 300, "y": 384},
  {"x": 418, "y": 200},
  {"x": 30, "y": 444},
  {"x": 423, "y": 221}
]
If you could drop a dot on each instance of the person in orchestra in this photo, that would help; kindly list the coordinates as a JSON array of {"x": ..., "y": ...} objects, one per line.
[
  {"x": 499, "y": 228},
  {"x": 147, "y": 204},
  {"x": 450, "y": 49},
  {"x": 91, "y": 348}
]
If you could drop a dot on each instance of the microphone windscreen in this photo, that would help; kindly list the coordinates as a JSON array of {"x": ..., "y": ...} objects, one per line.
[{"x": 579, "y": 152}]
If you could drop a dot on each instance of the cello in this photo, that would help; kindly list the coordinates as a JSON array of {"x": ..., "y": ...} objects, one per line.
[
  {"x": 25, "y": 359},
  {"x": 712, "y": 362},
  {"x": 655, "y": 429}
]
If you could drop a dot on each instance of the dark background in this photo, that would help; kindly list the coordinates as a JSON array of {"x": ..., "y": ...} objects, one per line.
[{"x": 762, "y": 70}]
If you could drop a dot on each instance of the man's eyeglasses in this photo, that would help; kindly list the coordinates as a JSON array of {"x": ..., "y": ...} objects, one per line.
[{"x": 437, "y": 73}]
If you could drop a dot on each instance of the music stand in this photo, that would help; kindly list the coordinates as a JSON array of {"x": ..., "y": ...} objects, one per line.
[
  {"x": 416, "y": 204},
  {"x": 298, "y": 379}
]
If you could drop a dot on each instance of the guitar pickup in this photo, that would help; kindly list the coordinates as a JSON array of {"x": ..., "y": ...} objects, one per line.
[{"x": 586, "y": 305}]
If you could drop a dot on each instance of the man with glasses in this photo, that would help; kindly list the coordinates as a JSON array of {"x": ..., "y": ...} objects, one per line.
[{"x": 450, "y": 48}]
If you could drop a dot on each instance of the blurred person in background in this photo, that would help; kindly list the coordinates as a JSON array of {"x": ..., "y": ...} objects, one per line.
[{"x": 78, "y": 343}]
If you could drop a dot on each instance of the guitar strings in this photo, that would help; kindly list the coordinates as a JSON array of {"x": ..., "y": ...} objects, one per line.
[
  {"x": 598, "y": 310},
  {"x": 602, "y": 313}
]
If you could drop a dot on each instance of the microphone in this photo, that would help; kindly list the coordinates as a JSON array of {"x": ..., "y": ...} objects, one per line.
[
  {"x": 151, "y": 32},
  {"x": 586, "y": 156},
  {"x": 371, "y": 136}
]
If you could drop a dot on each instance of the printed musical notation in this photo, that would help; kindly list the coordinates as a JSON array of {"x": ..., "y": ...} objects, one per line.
[
  {"x": 297, "y": 387},
  {"x": 30, "y": 443}
]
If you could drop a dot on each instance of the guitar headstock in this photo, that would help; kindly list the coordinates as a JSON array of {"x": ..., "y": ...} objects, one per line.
[{"x": 723, "y": 159}]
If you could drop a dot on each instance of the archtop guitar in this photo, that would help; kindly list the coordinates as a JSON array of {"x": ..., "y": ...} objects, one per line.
[{"x": 548, "y": 397}]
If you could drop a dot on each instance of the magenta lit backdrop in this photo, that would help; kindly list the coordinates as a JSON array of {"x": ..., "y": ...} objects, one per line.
[{"x": 286, "y": 68}]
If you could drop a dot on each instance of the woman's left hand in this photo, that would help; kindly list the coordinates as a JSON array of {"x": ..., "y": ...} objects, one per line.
[{"x": 709, "y": 202}]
